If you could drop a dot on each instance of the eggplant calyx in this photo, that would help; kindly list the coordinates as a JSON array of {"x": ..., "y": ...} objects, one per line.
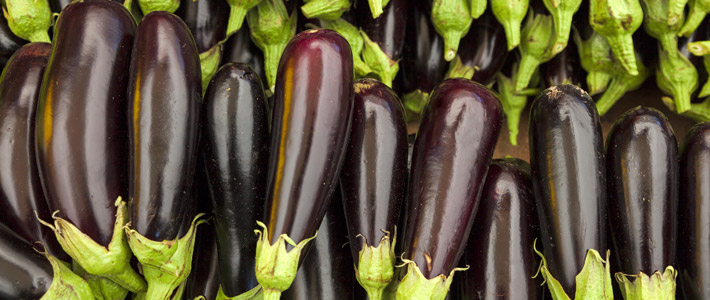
[
  {"x": 375, "y": 269},
  {"x": 354, "y": 37},
  {"x": 513, "y": 105},
  {"x": 378, "y": 61},
  {"x": 415, "y": 102},
  {"x": 237, "y": 12},
  {"x": 617, "y": 20},
  {"x": 415, "y": 285},
  {"x": 535, "y": 47},
  {"x": 275, "y": 266},
  {"x": 619, "y": 85},
  {"x": 700, "y": 48},
  {"x": 511, "y": 16},
  {"x": 458, "y": 69},
  {"x": 101, "y": 287},
  {"x": 676, "y": 9},
  {"x": 65, "y": 284},
  {"x": 325, "y": 9},
  {"x": 698, "y": 111},
  {"x": 271, "y": 30},
  {"x": 597, "y": 81},
  {"x": 148, "y": 6},
  {"x": 655, "y": 287},
  {"x": 29, "y": 20},
  {"x": 165, "y": 264},
  {"x": 677, "y": 76},
  {"x": 452, "y": 20},
  {"x": 562, "y": 12},
  {"x": 252, "y": 294},
  {"x": 112, "y": 262},
  {"x": 377, "y": 7},
  {"x": 478, "y": 7},
  {"x": 696, "y": 14},
  {"x": 209, "y": 63}
]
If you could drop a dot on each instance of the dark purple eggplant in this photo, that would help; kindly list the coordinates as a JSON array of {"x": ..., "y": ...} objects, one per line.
[
  {"x": 21, "y": 195},
  {"x": 326, "y": 271},
  {"x": 694, "y": 214},
  {"x": 206, "y": 19},
  {"x": 500, "y": 245},
  {"x": 58, "y": 5},
  {"x": 564, "y": 68},
  {"x": 453, "y": 149},
  {"x": 642, "y": 172},
  {"x": 569, "y": 179},
  {"x": 373, "y": 180},
  {"x": 313, "y": 103},
  {"x": 236, "y": 150},
  {"x": 24, "y": 272},
  {"x": 9, "y": 42},
  {"x": 240, "y": 48},
  {"x": 204, "y": 279},
  {"x": 482, "y": 51},
  {"x": 384, "y": 35}
]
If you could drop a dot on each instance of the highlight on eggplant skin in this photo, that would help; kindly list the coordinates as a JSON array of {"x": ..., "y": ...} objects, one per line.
[
  {"x": 694, "y": 214},
  {"x": 453, "y": 148},
  {"x": 569, "y": 179},
  {"x": 423, "y": 65},
  {"x": 642, "y": 174},
  {"x": 484, "y": 48},
  {"x": 500, "y": 244},
  {"x": 24, "y": 273},
  {"x": 207, "y": 21}
]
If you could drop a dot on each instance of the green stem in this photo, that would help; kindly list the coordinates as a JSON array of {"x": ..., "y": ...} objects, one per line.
[
  {"x": 452, "y": 39},
  {"x": 700, "y": 48},
  {"x": 563, "y": 23},
  {"x": 270, "y": 294},
  {"x": 528, "y": 65},
  {"x": 272, "y": 55},
  {"x": 478, "y": 7},
  {"x": 457, "y": 69},
  {"x": 237, "y": 13},
  {"x": 613, "y": 93},
  {"x": 597, "y": 81},
  {"x": 512, "y": 33},
  {"x": 40, "y": 37},
  {"x": 695, "y": 17},
  {"x": 676, "y": 8},
  {"x": 375, "y": 8},
  {"x": 622, "y": 45},
  {"x": 325, "y": 9},
  {"x": 669, "y": 42}
]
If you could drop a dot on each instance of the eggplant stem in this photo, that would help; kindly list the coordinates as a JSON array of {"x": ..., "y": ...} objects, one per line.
[
  {"x": 676, "y": 9},
  {"x": 237, "y": 13},
  {"x": 512, "y": 33},
  {"x": 375, "y": 8},
  {"x": 322, "y": 9},
  {"x": 700, "y": 48},
  {"x": 695, "y": 17},
  {"x": 613, "y": 93},
  {"x": 597, "y": 82},
  {"x": 528, "y": 65},
  {"x": 669, "y": 43},
  {"x": 563, "y": 24},
  {"x": 623, "y": 48}
]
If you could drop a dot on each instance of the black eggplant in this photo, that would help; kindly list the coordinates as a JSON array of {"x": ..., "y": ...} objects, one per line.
[
  {"x": 564, "y": 68},
  {"x": 500, "y": 245},
  {"x": 694, "y": 213},
  {"x": 569, "y": 180},
  {"x": 9, "y": 42},
  {"x": 204, "y": 278},
  {"x": 163, "y": 129},
  {"x": 236, "y": 150},
  {"x": 326, "y": 271},
  {"x": 313, "y": 102},
  {"x": 452, "y": 151},
  {"x": 383, "y": 36},
  {"x": 240, "y": 48},
  {"x": 81, "y": 137},
  {"x": 24, "y": 272},
  {"x": 373, "y": 180}
]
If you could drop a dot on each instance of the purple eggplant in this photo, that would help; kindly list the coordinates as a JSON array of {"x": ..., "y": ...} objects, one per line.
[
  {"x": 9, "y": 42},
  {"x": 236, "y": 149},
  {"x": 24, "y": 273},
  {"x": 452, "y": 152},
  {"x": 383, "y": 36},
  {"x": 313, "y": 103},
  {"x": 240, "y": 48},
  {"x": 500, "y": 245},
  {"x": 564, "y": 68}
]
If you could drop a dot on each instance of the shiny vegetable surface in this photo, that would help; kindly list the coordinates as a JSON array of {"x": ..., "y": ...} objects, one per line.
[
  {"x": 9, "y": 43},
  {"x": 24, "y": 273},
  {"x": 206, "y": 19},
  {"x": 484, "y": 48},
  {"x": 240, "y": 48},
  {"x": 564, "y": 68}
]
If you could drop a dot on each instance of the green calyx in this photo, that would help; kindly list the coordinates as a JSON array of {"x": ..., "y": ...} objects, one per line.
[
  {"x": 325, "y": 9},
  {"x": 377, "y": 7},
  {"x": 209, "y": 63},
  {"x": 452, "y": 20},
  {"x": 696, "y": 14},
  {"x": 253, "y": 294},
  {"x": 66, "y": 285},
  {"x": 415, "y": 286},
  {"x": 378, "y": 61},
  {"x": 102, "y": 288},
  {"x": 112, "y": 263},
  {"x": 275, "y": 267},
  {"x": 593, "y": 282},
  {"x": 676, "y": 12},
  {"x": 535, "y": 47},
  {"x": 415, "y": 102},
  {"x": 457, "y": 69},
  {"x": 643, "y": 287},
  {"x": 29, "y": 19},
  {"x": 148, "y": 6},
  {"x": 597, "y": 59},
  {"x": 478, "y": 7},
  {"x": 677, "y": 76},
  {"x": 165, "y": 264},
  {"x": 698, "y": 111},
  {"x": 617, "y": 20},
  {"x": 354, "y": 38},
  {"x": 375, "y": 269},
  {"x": 621, "y": 83},
  {"x": 562, "y": 12},
  {"x": 513, "y": 105},
  {"x": 237, "y": 12},
  {"x": 655, "y": 13},
  {"x": 510, "y": 14},
  {"x": 271, "y": 29}
]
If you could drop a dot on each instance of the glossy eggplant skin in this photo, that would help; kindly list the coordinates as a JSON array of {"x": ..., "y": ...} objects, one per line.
[
  {"x": 81, "y": 135},
  {"x": 569, "y": 179},
  {"x": 240, "y": 48},
  {"x": 702, "y": 33},
  {"x": 484, "y": 48},
  {"x": 164, "y": 124},
  {"x": 24, "y": 272},
  {"x": 204, "y": 277},
  {"x": 642, "y": 172},
  {"x": 454, "y": 146},
  {"x": 9, "y": 42},
  {"x": 207, "y": 21},
  {"x": 313, "y": 104},
  {"x": 236, "y": 148},
  {"x": 388, "y": 29},
  {"x": 564, "y": 68},
  {"x": 374, "y": 175},
  {"x": 694, "y": 214},
  {"x": 501, "y": 240},
  {"x": 326, "y": 271},
  {"x": 423, "y": 65}
]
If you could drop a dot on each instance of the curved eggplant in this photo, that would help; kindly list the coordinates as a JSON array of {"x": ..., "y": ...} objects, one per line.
[
  {"x": 240, "y": 48},
  {"x": 326, "y": 271},
  {"x": 9, "y": 42},
  {"x": 313, "y": 103},
  {"x": 206, "y": 20},
  {"x": 694, "y": 213},
  {"x": 21, "y": 194},
  {"x": 373, "y": 181},
  {"x": 499, "y": 248},
  {"x": 452, "y": 151},
  {"x": 24, "y": 272},
  {"x": 564, "y": 68},
  {"x": 383, "y": 36},
  {"x": 569, "y": 179},
  {"x": 236, "y": 149},
  {"x": 482, "y": 51}
]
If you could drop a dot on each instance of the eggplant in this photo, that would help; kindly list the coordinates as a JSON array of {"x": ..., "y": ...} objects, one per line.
[
  {"x": 569, "y": 181},
  {"x": 236, "y": 149},
  {"x": 9, "y": 42},
  {"x": 564, "y": 68},
  {"x": 204, "y": 279},
  {"x": 642, "y": 167},
  {"x": 373, "y": 181},
  {"x": 313, "y": 103},
  {"x": 21, "y": 195},
  {"x": 482, "y": 51},
  {"x": 693, "y": 213},
  {"x": 24, "y": 272},
  {"x": 383, "y": 38},
  {"x": 326, "y": 271},
  {"x": 163, "y": 129},
  {"x": 452, "y": 151},
  {"x": 240, "y": 48},
  {"x": 81, "y": 138},
  {"x": 499, "y": 248}
]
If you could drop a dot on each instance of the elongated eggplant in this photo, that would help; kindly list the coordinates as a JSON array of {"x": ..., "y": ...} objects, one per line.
[
  {"x": 569, "y": 180},
  {"x": 499, "y": 248},
  {"x": 240, "y": 48},
  {"x": 163, "y": 126},
  {"x": 311, "y": 122},
  {"x": 452, "y": 151},
  {"x": 642, "y": 164},
  {"x": 81, "y": 138},
  {"x": 326, "y": 271},
  {"x": 9, "y": 43},
  {"x": 236, "y": 149},
  {"x": 24, "y": 273},
  {"x": 564, "y": 68},
  {"x": 384, "y": 38},
  {"x": 693, "y": 213},
  {"x": 373, "y": 180}
]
